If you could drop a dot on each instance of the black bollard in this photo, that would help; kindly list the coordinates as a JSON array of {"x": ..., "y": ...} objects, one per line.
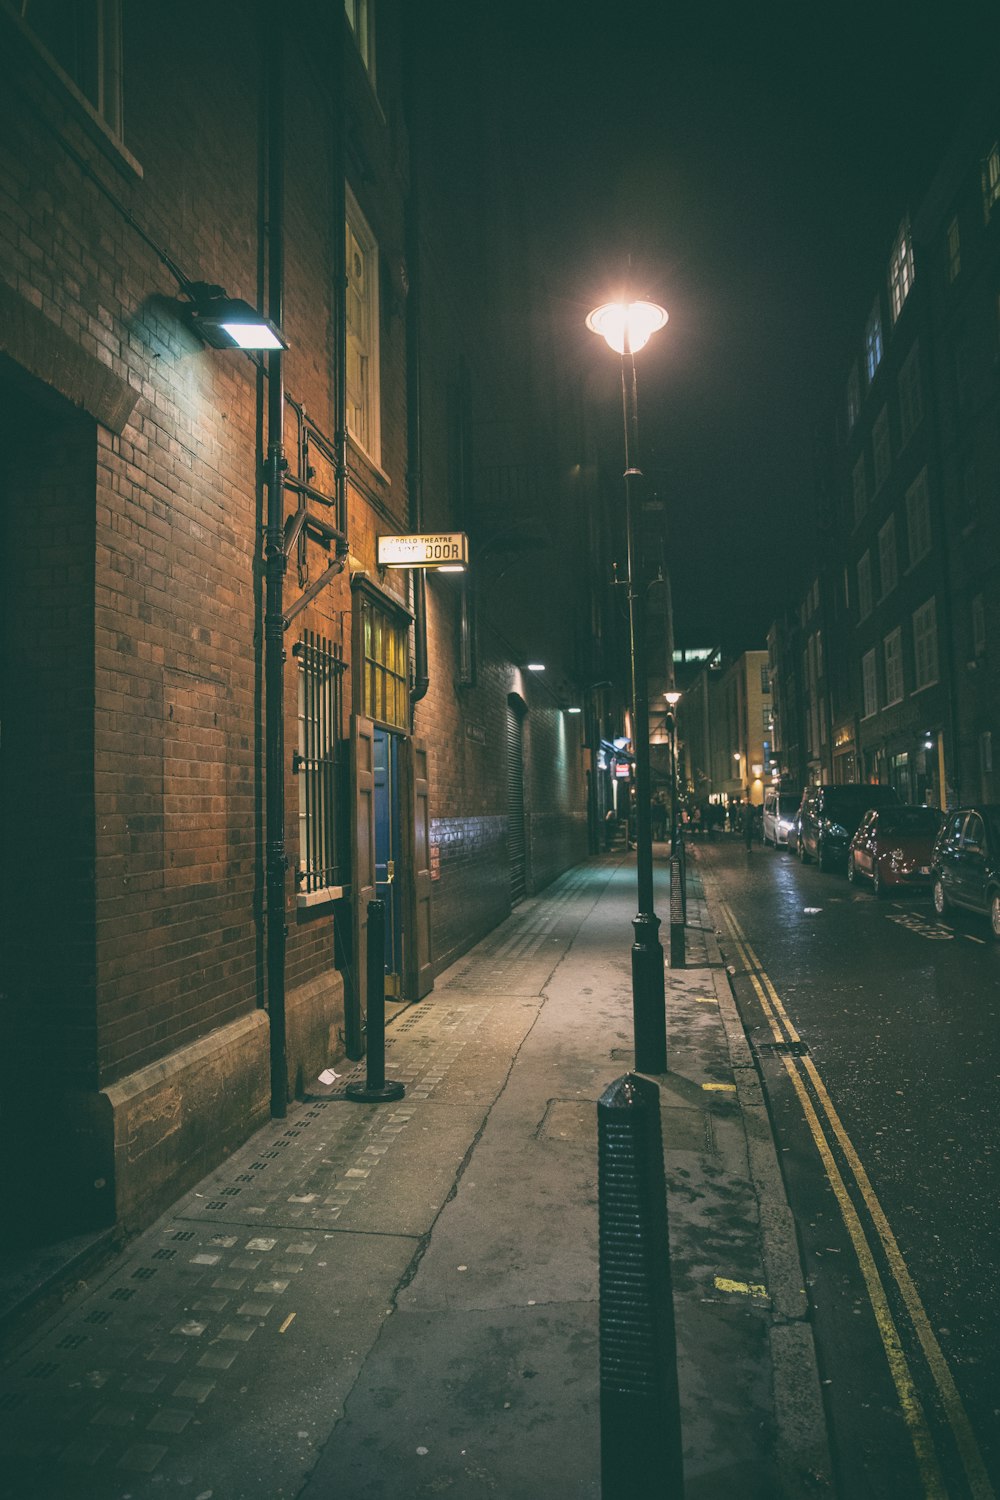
[
  {"x": 641, "y": 1448},
  {"x": 683, "y": 862},
  {"x": 677, "y": 936},
  {"x": 375, "y": 1090}
]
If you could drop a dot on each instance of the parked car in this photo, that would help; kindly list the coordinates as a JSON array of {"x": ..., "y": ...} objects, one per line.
[
  {"x": 965, "y": 865},
  {"x": 893, "y": 847},
  {"x": 780, "y": 809},
  {"x": 831, "y": 815}
]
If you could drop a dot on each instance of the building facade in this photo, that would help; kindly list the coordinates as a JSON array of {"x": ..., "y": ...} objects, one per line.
[{"x": 226, "y": 727}]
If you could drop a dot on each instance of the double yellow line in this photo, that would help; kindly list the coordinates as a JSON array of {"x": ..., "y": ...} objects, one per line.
[{"x": 823, "y": 1131}]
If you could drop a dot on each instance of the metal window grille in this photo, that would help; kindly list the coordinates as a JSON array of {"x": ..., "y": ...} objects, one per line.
[{"x": 321, "y": 669}]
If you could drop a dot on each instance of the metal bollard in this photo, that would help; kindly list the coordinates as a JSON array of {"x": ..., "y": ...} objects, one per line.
[
  {"x": 375, "y": 1090},
  {"x": 641, "y": 1447},
  {"x": 677, "y": 935},
  {"x": 682, "y": 855}
]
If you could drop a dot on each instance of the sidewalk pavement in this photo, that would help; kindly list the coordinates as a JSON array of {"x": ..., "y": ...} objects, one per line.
[{"x": 401, "y": 1300}]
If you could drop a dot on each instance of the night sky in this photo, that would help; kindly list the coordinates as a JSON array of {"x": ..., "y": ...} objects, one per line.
[{"x": 754, "y": 163}]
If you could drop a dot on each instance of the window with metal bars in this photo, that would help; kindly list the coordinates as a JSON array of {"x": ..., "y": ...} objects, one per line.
[{"x": 321, "y": 669}]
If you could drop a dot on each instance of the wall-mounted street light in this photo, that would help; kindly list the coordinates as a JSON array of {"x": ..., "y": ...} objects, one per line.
[
  {"x": 229, "y": 322},
  {"x": 627, "y": 327},
  {"x": 535, "y": 666}
]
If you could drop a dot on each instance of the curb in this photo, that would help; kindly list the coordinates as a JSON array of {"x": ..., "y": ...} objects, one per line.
[{"x": 802, "y": 1444}]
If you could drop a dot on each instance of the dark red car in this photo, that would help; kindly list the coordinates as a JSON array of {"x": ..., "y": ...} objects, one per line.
[{"x": 893, "y": 847}]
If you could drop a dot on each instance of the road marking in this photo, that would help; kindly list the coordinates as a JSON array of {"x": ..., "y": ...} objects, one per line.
[
  {"x": 720, "y": 1088},
  {"x": 287, "y": 1323},
  {"x": 778, "y": 1018},
  {"x": 706, "y": 1000},
  {"x": 970, "y": 939},
  {"x": 744, "y": 1288}
]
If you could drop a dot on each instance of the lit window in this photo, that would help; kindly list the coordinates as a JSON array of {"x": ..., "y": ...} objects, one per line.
[
  {"x": 359, "y": 19},
  {"x": 84, "y": 39},
  {"x": 991, "y": 181},
  {"x": 853, "y": 398},
  {"x": 918, "y": 518},
  {"x": 860, "y": 489},
  {"x": 384, "y": 666},
  {"x": 864, "y": 586},
  {"x": 362, "y": 332},
  {"x": 925, "y": 646},
  {"x": 893, "y": 654},
  {"x": 900, "y": 269},
  {"x": 887, "y": 556},
  {"x": 873, "y": 343},
  {"x": 911, "y": 406},
  {"x": 954, "y": 250},
  {"x": 881, "y": 448},
  {"x": 869, "y": 684}
]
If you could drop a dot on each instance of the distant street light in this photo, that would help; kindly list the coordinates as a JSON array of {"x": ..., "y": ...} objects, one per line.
[{"x": 627, "y": 327}]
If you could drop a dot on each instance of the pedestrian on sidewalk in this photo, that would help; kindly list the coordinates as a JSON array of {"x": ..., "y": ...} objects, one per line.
[{"x": 748, "y": 822}]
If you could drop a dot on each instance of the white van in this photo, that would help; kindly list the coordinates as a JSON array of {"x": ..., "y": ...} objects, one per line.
[{"x": 780, "y": 809}]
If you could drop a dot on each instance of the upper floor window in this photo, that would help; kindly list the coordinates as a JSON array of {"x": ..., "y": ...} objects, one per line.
[
  {"x": 84, "y": 39},
  {"x": 860, "y": 489},
  {"x": 978, "y": 626},
  {"x": 359, "y": 19},
  {"x": 918, "y": 518},
  {"x": 869, "y": 685},
  {"x": 925, "y": 645},
  {"x": 893, "y": 656},
  {"x": 911, "y": 404},
  {"x": 954, "y": 250},
  {"x": 362, "y": 332},
  {"x": 881, "y": 448},
  {"x": 853, "y": 398},
  {"x": 873, "y": 342},
  {"x": 887, "y": 556},
  {"x": 900, "y": 269},
  {"x": 864, "y": 586},
  {"x": 991, "y": 181}
]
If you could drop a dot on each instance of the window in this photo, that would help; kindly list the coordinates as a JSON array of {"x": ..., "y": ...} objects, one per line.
[
  {"x": 321, "y": 671},
  {"x": 853, "y": 398},
  {"x": 900, "y": 269},
  {"x": 765, "y": 678},
  {"x": 880, "y": 445},
  {"x": 925, "y": 650},
  {"x": 359, "y": 19},
  {"x": 768, "y": 721},
  {"x": 887, "y": 556},
  {"x": 991, "y": 181},
  {"x": 918, "y": 518},
  {"x": 978, "y": 626},
  {"x": 864, "y": 586},
  {"x": 873, "y": 343},
  {"x": 84, "y": 39},
  {"x": 860, "y": 489},
  {"x": 954, "y": 250},
  {"x": 893, "y": 651},
  {"x": 362, "y": 332},
  {"x": 911, "y": 406},
  {"x": 869, "y": 685},
  {"x": 384, "y": 666}
]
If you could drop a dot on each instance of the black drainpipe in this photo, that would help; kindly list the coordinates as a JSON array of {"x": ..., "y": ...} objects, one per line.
[
  {"x": 414, "y": 436},
  {"x": 274, "y": 572}
]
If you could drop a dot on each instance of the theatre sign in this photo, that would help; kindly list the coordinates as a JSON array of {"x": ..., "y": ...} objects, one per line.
[{"x": 446, "y": 549}]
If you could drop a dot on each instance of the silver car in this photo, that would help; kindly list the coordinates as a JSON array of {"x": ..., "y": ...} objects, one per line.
[{"x": 780, "y": 809}]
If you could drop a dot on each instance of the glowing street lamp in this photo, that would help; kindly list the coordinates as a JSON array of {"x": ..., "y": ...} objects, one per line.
[{"x": 627, "y": 327}]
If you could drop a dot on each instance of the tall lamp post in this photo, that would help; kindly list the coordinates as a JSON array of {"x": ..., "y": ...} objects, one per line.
[
  {"x": 672, "y": 700},
  {"x": 627, "y": 327}
]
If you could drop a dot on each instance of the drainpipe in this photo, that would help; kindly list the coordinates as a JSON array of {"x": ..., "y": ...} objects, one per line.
[
  {"x": 414, "y": 435},
  {"x": 339, "y": 206},
  {"x": 276, "y": 859}
]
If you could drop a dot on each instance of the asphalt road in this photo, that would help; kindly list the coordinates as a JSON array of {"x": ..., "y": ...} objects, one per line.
[{"x": 876, "y": 1030}]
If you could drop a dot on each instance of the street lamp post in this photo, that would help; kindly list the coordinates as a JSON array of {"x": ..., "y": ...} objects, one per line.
[
  {"x": 673, "y": 699},
  {"x": 626, "y": 327}
]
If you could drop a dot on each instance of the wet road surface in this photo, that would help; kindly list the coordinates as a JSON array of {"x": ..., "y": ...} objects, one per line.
[{"x": 876, "y": 1030}]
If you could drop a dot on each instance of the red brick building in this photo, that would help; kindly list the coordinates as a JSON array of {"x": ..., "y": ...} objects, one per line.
[{"x": 184, "y": 527}]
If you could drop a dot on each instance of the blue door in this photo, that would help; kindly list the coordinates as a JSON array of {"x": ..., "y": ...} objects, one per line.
[{"x": 387, "y": 851}]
